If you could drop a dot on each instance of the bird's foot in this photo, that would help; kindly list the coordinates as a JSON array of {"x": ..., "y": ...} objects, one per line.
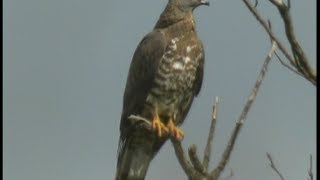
[
  {"x": 176, "y": 132},
  {"x": 158, "y": 126}
]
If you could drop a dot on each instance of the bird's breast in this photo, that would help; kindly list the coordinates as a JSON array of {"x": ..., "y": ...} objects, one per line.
[
  {"x": 178, "y": 66},
  {"x": 177, "y": 69}
]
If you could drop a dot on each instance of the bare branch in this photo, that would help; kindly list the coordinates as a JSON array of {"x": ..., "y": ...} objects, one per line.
[
  {"x": 198, "y": 170},
  {"x": 287, "y": 66},
  {"x": 227, "y": 152},
  {"x": 278, "y": 57},
  {"x": 195, "y": 160},
  {"x": 254, "y": 91},
  {"x": 268, "y": 30},
  {"x": 272, "y": 165},
  {"x": 310, "y": 169},
  {"x": 208, "y": 151},
  {"x": 301, "y": 61},
  {"x": 185, "y": 164}
]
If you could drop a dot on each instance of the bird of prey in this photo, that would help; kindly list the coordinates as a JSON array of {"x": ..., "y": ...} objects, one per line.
[{"x": 165, "y": 75}]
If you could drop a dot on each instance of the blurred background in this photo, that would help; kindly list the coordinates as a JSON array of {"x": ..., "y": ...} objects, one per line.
[{"x": 65, "y": 67}]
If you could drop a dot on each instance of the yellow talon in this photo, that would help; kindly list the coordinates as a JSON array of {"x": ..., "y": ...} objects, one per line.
[
  {"x": 176, "y": 132},
  {"x": 158, "y": 126}
]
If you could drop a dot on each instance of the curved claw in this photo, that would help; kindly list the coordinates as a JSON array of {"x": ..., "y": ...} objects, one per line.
[
  {"x": 159, "y": 127},
  {"x": 176, "y": 132}
]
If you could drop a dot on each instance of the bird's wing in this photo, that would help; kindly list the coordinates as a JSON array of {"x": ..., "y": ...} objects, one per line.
[
  {"x": 141, "y": 75},
  {"x": 132, "y": 156},
  {"x": 199, "y": 75}
]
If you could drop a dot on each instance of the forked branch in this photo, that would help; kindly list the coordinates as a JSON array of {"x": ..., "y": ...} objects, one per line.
[
  {"x": 298, "y": 60},
  {"x": 273, "y": 166}
]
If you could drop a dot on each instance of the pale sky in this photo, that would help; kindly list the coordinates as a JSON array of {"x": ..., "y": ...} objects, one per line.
[{"x": 65, "y": 68}]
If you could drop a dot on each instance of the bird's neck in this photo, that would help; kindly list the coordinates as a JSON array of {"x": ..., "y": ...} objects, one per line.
[{"x": 172, "y": 16}]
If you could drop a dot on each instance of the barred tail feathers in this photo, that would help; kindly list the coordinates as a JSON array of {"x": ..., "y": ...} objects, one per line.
[
  {"x": 133, "y": 163},
  {"x": 135, "y": 154}
]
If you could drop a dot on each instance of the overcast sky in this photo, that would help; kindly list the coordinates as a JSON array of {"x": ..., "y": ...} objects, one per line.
[{"x": 65, "y": 68}]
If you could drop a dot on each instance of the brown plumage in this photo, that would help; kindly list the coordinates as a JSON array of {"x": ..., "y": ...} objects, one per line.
[{"x": 165, "y": 75}]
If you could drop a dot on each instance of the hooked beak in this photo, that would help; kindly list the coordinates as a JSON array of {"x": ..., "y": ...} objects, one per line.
[{"x": 205, "y": 2}]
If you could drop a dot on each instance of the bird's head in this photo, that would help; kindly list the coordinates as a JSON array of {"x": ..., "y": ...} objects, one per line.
[
  {"x": 188, "y": 5},
  {"x": 177, "y": 10}
]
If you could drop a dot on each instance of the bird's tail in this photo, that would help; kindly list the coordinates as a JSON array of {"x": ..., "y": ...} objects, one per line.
[{"x": 135, "y": 154}]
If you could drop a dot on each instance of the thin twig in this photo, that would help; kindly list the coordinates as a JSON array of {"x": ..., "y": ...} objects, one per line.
[
  {"x": 208, "y": 151},
  {"x": 310, "y": 169},
  {"x": 278, "y": 57},
  {"x": 257, "y": 85},
  {"x": 287, "y": 66},
  {"x": 272, "y": 165}
]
